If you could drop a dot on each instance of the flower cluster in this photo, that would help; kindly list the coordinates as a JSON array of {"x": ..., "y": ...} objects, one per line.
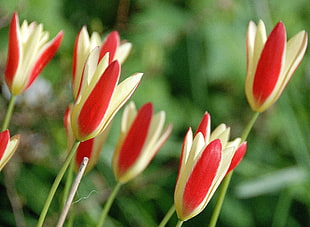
[{"x": 207, "y": 157}]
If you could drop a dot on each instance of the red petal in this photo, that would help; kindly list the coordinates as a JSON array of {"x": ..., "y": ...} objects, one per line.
[
  {"x": 201, "y": 178},
  {"x": 4, "y": 140},
  {"x": 44, "y": 58},
  {"x": 13, "y": 50},
  {"x": 238, "y": 156},
  {"x": 96, "y": 105},
  {"x": 110, "y": 45},
  {"x": 85, "y": 149},
  {"x": 270, "y": 63},
  {"x": 204, "y": 125},
  {"x": 135, "y": 138}
]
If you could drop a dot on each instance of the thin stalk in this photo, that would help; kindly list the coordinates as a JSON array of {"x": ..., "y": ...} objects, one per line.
[
  {"x": 167, "y": 216},
  {"x": 9, "y": 113},
  {"x": 108, "y": 204},
  {"x": 9, "y": 182},
  {"x": 68, "y": 182},
  {"x": 226, "y": 181},
  {"x": 249, "y": 127},
  {"x": 73, "y": 190},
  {"x": 220, "y": 200},
  {"x": 179, "y": 224},
  {"x": 56, "y": 183}
]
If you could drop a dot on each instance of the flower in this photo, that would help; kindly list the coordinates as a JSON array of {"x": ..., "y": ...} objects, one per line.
[
  {"x": 271, "y": 63},
  {"x": 28, "y": 53},
  {"x": 84, "y": 44},
  {"x": 7, "y": 147},
  {"x": 141, "y": 138},
  {"x": 100, "y": 96},
  {"x": 205, "y": 161}
]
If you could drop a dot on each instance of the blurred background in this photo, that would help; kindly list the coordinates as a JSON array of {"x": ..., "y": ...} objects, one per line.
[{"x": 192, "y": 54}]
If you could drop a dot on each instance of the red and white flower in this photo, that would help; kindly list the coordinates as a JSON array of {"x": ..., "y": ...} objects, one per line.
[
  {"x": 28, "y": 53},
  {"x": 100, "y": 96},
  {"x": 206, "y": 159},
  {"x": 271, "y": 63},
  {"x": 141, "y": 138}
]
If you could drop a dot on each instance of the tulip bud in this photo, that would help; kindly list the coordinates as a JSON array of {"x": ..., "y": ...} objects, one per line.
[
  {"x": 141, "y": 138},
  {"x": 28, "y": 53},
  {"x": 205, "y": 160},
  {"x": 271, "y": 63}
]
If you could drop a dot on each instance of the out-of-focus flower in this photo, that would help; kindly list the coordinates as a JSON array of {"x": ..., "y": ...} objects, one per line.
[
  {"x": 99, "y": 97},
  {"x": 91, "y": 149},
  {"x": 141, "y": 138},
  {"x": 271, "y": 63},
  {"x": 205, "y": 160},
  {"x": 7, "y": 147},
  {"x": 84, "y": 44},
  {"x": 28, "y": 53}
]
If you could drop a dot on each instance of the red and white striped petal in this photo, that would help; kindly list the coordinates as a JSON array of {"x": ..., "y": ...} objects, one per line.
[
  {"x": 14, "y": 51},
  {"x": 238, "y": 156},
  {"x": 189, "y": 197},
  {"x": 205, "y": 126},
  {"x": 110, "y": 45},
  {"x": 269, "y": 68},
  {"x": 88, "y": 116}
]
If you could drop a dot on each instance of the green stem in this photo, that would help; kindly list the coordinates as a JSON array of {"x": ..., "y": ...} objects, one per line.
[
  {"x": 68, "y": 182},
  {"x": 179, "y": 224},
  {"x": 108, "y": 204},
  {"x": 9, "y": 113},
  {"x": 249, "y": 126},
  {"x": 56, "y": 183},
  {"x": 226, "y": 181},
  {"x": 167, "y": 217},
  {"x": 220, "y": 200}
]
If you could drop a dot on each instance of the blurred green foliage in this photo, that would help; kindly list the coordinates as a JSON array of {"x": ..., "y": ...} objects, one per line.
[{"x": 192, "y": 54}]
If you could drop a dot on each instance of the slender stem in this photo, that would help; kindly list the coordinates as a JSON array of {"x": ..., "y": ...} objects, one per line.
[
  {"x": 9, "y": 113},
  {"x": 73, "y": 190},
  {"x": 56, "y": 183},
  {"x": 226, "y": 181},
  {"x": 108, "y": 204},
  {"x": 68, "y": 182},
  {"x": 179, "y": 224},
  {"x": 167, "y": 216},
  {"x": 220, "y": 200},
  {"x": 9, "y": 181},
  {"x": 249, "y": 126}
]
